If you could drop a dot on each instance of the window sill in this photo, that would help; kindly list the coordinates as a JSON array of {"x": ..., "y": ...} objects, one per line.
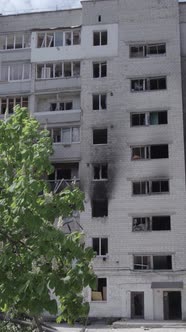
[
  {"x": 98, "y": 301},
  {"x": 134, "y": 91},
  {"x": 55, "y": 78},
  {"x": 15, "y": 49},
  {"x": 152, "y": 194},
  {"x": 100, "y": 180},
  {"x": 148, "y": 159},
  {"x": 149, "y": 125}
]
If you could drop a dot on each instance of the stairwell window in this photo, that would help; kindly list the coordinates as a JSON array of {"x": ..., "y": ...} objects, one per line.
[
  {"x": 150, "y": 187},
  {"x": 100, "y": 38},
  {"x": 100, "y": 246},
  {"x": 99, "y": 69},
  {"x": 148, "y": 84},
  {"x": 99, "y": 101},
  {"x": 100, "y": 172}
]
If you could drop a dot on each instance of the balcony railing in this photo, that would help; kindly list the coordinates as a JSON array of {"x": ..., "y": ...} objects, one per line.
[{"x": 58, "y": 185}]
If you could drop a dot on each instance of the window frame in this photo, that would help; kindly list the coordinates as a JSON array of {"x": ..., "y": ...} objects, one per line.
[
  {"x": 11, "y": 66},
  {"x": 146, "y": 50},
  {"x": 149, "y": 224},
  {"x": 14, "y": 35},
  {"x": 151, "y": 257},
  {"x": 61, "y": 133},
  {"x": 100, "y": 64},
  {"x": 147, "y": 118},
  {"x": 14, "y": 103},
  {"x": 45, "y": 66},
  {"x": 63, "y": 33},
  {"x": 145, "y": 83},
  {"x": 147, "y": 185},
  {"x": 100, "y": 249},
  {"x": 100, "y": 42},
  {"x": 97, "y": 290},
  {"x": 100, "y": 166},
  {"x": 99, "y": 96},
  {"x": 147, "y": 152}
]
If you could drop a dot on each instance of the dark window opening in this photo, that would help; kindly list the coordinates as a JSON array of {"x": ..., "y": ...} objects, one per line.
[
  {"x": 160, "y": 186},
  {"x": 103, "y": 102},
  {"x": 100, "y": 292},
  {"x": 162, "y": 262},
  {"x": 95, "y": 70},
  {"x": 159, "y": 151},
  {"x": 99, "y": 38},
  {"x": 158, "y": 118},
  {"x": 100, "y": 246},
  {"x": 140, "y": 188},
  {"x": 99, "y": 208},
  {"x": 95, "y": 102},
  {"x": 99, "y": 18},
  {"x": 100, "y": 172},
  {"x": 100, "y": 136},
  {"x": 161, "y": 223},
  {"x": 138, "y": 119},
  {"x": 96, "y": 38}
]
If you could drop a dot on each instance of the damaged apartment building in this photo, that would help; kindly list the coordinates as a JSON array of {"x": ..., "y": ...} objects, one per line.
[{"x": 105, "y": 79}]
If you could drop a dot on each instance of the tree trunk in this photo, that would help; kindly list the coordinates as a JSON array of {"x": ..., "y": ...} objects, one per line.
[{"x": 38, "y": 324}]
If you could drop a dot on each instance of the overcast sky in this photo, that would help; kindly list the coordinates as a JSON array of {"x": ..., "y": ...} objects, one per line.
[{"x": 19, "y": 6}]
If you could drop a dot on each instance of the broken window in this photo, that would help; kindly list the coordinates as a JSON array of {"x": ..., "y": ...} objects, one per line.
[
  {"x": 100, "y": 136},
  {"x": 99, "y": 101},
  {"x": 149, "y": 118},
  {"x": 148, "y": 84},
  {"x": 99, "y": 69},
  {"x": 99, "y": 38},
  {"x": 58, "y": 38},
  {"x": 99, "y": 208},
  {"x": 150, "y": 152},
  {"x": 145, "y": 50},
  {"x": 150, "y": 187},
  {"x": 142, "y": 263},
  {"x": 100, "y": 246},
  {"x": 100, "y": 292},
  {"x": 162, "y": 262},
  {"x": 154, "y": 223},
  {"x": 100, "y": 172}
]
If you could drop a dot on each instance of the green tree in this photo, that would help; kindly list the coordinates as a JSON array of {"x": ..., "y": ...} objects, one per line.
[{"x": 37, "y": 258}]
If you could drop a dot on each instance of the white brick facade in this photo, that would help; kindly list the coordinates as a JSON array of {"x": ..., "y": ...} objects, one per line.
[{"x": 127, "y": 23}]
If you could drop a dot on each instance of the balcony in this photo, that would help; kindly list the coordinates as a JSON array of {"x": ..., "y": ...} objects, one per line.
[
  {"x": 58, "y": 116},
  {"x": 64, "y": 175},
  {"x": 58, "y": 84}
]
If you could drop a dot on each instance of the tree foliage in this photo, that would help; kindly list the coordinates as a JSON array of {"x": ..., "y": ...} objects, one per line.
[{"x": 36, "y": 256}]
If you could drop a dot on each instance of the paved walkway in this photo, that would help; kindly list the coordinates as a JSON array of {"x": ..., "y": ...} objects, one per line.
[{"x": 126, "y": 326}]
